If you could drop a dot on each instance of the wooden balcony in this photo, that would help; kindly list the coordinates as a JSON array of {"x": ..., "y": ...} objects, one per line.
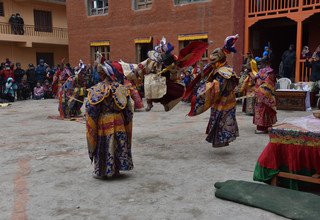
[
  {"x": 277, "y": 8},
  {"x": 296, "y": 10},
  {"x": 34, "y": 34}
]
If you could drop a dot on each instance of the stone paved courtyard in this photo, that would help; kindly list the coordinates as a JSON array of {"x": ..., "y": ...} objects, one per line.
[{"x": 46, "y": 173}]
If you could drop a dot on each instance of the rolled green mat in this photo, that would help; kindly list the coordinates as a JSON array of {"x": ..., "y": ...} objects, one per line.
[{"x": 285, "y": 202}]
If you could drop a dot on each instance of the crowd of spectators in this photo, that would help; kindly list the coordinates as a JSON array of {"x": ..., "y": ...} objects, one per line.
[{"x": 38, "y": 82}]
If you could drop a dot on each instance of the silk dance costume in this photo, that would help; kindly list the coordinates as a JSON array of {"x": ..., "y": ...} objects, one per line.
[
  {"x": 109, "y": 113},
  {"x": 217, "y": 91},
  {"x": 265, "y": 113}
]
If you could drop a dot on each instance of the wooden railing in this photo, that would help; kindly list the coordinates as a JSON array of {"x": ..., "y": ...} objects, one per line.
[
  {"x": 257, "y": 8},
  {"x": 31, "y": 30},
  {"x": 305, "y": 72}
]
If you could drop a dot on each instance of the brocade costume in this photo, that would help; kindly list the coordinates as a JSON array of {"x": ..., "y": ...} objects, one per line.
[
  {"x": 248, "y": 86},
  {"x": 109, "y": 113},
  {"x": 72, "y": 96},
  {"x": 217, "y": 92},
  {"x": 265, "y": 114}
]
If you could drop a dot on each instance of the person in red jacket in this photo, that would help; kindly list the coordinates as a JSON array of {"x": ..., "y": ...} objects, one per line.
[{"x": 6, "y": 72}]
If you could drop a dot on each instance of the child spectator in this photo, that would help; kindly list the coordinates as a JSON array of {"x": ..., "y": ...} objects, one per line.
[
  {"x": 47, "y": 88},
  {"x": 38, "y": 92}
]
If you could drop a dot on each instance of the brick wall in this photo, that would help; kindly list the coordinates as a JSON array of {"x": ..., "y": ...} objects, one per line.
[{"x": 122, "y": 25}]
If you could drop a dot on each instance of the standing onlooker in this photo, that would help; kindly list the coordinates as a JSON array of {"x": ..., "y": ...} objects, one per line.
[
  {"x": 288, "y": 61},
  {"x": 20, "y": 24},
  {"x": 38, "y": 92},
  {"x": 41, "y": 71},
  {"x": 31, "y": 76},
  {"x": 24, "y": 91},
  {"x": 18, "y": 75},
  {"x": 305, "y": 54},
  {"x": 6, "y": 73},
  {"x": 14, "y": 24},
  {"x": 314, "y": 64}
]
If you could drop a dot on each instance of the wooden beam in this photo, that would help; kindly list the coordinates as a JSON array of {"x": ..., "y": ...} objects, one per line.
[
  {"x": 299, "y": 177},
  {"x": 298, "y": 50}
]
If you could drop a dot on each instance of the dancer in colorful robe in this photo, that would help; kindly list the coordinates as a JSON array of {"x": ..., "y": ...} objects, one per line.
[
  {"x": 162, "y": 62},
  {"x": 265, "y": 112},
  {"x": 72, "y": 95},
  {"x": 217, "y": 91},
  {"x": 162, "y": 72},
  {"x": 247, "y": 85},
  {"x": 109, "y": 113}
]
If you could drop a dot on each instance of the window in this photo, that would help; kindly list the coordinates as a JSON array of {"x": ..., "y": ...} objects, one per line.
[
  {"x": 180, "y": 2},
  {"x": 97, "y": 7},
  {"x": 1, "y": 9},
  {"x": 104, "y": 50},
  {"x": 42, "y": 21},
  {"x": 142, "y": 4}
]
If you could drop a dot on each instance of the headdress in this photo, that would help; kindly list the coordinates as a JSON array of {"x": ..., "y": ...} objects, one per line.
[
  {"x": 163, "y": 49},
  {"x": 229, "y": 44},
  {"x": 81, "y": 67},
  {"x": 103, "y": 65}
]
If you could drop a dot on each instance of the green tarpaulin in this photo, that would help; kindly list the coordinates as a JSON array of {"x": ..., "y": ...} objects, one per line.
[{"x": 285, "y": 202}]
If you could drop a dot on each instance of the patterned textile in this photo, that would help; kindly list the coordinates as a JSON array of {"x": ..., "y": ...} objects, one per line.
[
  {"x": 293, "y": 149},
  {"x": 218, "y": 93},
  {"x": 248, "y": 89},
  {"x": 71, "y": 97},
  {"x": 109, "y": 128},
  {"x": 138, "y": 103},
  {"x": 248, "y": 106},
  {"x": 265, "y": 113},
  {"x": 172, "y": 97},
  {"x": 222, "y": 127},
  {"x": 294, "y": 135}
]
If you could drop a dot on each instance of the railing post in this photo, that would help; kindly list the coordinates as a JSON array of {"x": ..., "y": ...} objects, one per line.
[
  {"x": 246, "y": 27},
  {"x": 298, "y": 50}
]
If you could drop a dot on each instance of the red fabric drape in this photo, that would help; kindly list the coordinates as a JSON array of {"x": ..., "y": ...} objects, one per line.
[{"x": 295, "y": 157}]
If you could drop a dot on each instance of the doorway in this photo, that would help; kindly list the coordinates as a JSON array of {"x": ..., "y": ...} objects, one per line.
[
  {"x": 142, "y": 50},
  {"x": 47, "y": 57},
  {"x": 278, "y": 33}
]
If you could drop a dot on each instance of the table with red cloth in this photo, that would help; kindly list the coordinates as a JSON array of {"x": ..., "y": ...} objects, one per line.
[{"x": 294, "y": 147}]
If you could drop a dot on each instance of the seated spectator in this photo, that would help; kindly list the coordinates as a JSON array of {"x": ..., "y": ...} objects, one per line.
[
  {"x": 47, "y": 88},
  {"x": 38, "y": 92},
  {"x": 9, "y": 91}
]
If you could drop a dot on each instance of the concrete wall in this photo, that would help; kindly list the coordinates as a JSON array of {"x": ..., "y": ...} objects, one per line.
[
  {"x": 25, "y": 9},
  {"x": 122, "y": 25},
  {"x": 28, "y": 55},
  {"x": 23, "y": 48}
]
